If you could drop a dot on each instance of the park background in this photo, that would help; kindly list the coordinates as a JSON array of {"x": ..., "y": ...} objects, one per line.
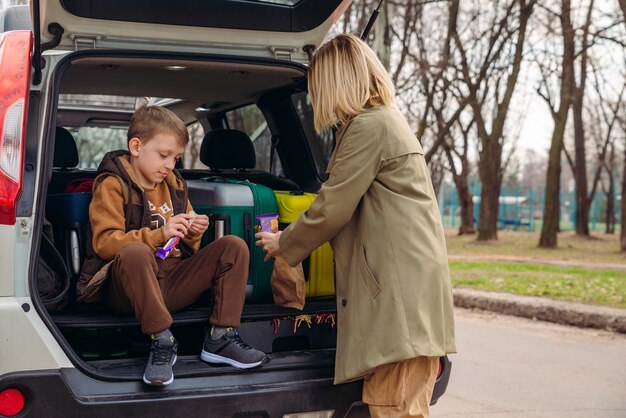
[
  {"x": 519, "y": 104},
  {"x": 520, "y": 108}
]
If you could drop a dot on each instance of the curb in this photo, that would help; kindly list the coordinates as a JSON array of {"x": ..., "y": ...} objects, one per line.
[{"x": 565, "y": 313}]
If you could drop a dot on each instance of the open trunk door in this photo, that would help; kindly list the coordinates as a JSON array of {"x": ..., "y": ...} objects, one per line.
[{"x": 284, "y": 29}]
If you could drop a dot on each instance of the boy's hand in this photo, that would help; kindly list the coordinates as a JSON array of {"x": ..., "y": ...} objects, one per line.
[
  {"x": 199, "y": 225},
  {"x": 270, "y": 243},
  {"x": 177, "y": 226}
]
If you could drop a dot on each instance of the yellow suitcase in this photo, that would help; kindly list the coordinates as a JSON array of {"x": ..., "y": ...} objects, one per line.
[{"x": 320, "y": 273}]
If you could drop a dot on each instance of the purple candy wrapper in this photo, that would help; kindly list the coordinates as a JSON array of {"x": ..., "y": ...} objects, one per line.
[
  {"x": 268, "y": 221},
  {"x": 162, "y": 253}
]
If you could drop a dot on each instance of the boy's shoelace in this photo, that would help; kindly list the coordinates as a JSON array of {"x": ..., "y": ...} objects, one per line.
[
  {"x": 235, "y": 338},
  {"x": 161, "y": 355}
]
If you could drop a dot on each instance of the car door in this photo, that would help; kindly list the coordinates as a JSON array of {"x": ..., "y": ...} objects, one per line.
[{"x": 285, "y": 29}]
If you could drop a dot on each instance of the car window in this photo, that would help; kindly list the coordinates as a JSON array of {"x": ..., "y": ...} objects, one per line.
[
  {"x": 191, "y": 159},
  {"x": 250, "y": 119},
  {"x": 91, "y": 121},
  {"x": 98, "y": 123},
  {"x": 321, "y": 145},
  {"x": 95, "y": 141}
]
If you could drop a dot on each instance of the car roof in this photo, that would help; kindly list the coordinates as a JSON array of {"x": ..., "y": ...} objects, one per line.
[{"x": 216, "y": 85}]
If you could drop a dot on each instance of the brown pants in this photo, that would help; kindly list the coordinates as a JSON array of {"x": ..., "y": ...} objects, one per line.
[
  {"x": 401, "y": 389},
  {"x": 151, "y": 288}
]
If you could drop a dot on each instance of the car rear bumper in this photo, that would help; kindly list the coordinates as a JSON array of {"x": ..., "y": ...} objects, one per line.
[{"x": 68, "y": 392}]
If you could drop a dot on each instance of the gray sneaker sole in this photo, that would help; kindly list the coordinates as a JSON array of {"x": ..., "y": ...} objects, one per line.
[
  {"x": 214, "y": 358},
  {"x": 159, "y": 383}
]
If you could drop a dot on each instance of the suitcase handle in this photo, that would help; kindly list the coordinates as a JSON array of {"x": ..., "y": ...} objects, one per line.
[
  {"x": 247, "y": 226},
  {"x": 214, "y": 179},
  {"x": 213, "y": 226}
]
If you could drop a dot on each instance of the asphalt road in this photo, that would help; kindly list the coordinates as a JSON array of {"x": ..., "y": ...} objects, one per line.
[{"x": 514, "y": 367}]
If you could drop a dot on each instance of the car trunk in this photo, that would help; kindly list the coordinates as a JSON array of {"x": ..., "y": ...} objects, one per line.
[{"x": 111, "y": 346}]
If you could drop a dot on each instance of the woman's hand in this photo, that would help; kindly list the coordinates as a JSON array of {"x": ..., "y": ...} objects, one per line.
[
  {"x": 270, "y": 243},
  {"x": 198, "y": 226},
  {"x": 177, "y": 226}
]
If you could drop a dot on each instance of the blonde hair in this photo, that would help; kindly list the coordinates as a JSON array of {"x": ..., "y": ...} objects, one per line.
[
  {"x": 346, "y": 77},
  {"x": 148, "y": 121}
]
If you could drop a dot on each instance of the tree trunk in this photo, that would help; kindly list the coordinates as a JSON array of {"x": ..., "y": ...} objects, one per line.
[
  {"x": 460, "y": 179},
  {"x": 580, "y": 168},
  {"x": 236, "y": 121},
  {"x": 467, "y": 205},
  {"x": 382, "y": 40},
  {"x": 610, "y": 209},
  {"x": 490, "y": 162},
  {"x": 551, "y": 217},
  {"x": 610, "y": 194},
  {"x": 623, "y": 220},
  {"x": 583, "y": 202},
  {"x": 491, "y": 178}
]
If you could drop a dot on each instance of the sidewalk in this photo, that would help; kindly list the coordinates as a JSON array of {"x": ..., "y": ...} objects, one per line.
[{"x": 544, "y": 309}]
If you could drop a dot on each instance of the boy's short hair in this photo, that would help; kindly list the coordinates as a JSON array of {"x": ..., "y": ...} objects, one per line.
[{"x": 148, "y": 121}]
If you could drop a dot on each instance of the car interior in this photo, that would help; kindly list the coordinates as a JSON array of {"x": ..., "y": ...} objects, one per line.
[{"x": 249, "y": 120}]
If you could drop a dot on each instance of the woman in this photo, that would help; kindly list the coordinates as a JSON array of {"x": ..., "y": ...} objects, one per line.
[{"x": 379, "y": 212}]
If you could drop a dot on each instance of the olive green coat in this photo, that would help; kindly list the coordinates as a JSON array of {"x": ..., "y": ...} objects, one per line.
[{"x": 379, "y": 211}]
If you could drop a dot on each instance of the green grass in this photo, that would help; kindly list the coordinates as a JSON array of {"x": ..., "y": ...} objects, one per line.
[
  {"x": 602, "y": 287},
  {"x": 600, "y": 248}
]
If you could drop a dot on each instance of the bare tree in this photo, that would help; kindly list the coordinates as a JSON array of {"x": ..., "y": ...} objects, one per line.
[
  {"x": 579, "y": 163},
  {"x": 442, "y": 109},
  {"x": 551, "y": 216},
  {"x": 603, "y": 116},
  {"x": 415, "y": 51},
  {"x": 622, "y": 124},
  {"x": 192, "y": 151},
  {"x": 489, "y": 63},
  {"x": 438, "y": 171},
  {"x": 460, "y": 176},
  {"x": 596, "y": 31},
  {"x": 609, "y": 192}
]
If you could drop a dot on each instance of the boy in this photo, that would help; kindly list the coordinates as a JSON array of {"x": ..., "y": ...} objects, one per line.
[{"x": 140, "y": 202}]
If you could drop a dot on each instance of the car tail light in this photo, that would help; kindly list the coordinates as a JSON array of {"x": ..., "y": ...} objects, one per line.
[
  {"x": 15, "y": 58},
  {"x": 11, "y": 402}
]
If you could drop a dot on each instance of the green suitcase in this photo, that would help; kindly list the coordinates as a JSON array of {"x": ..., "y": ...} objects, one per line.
[{"x": 232, "y": 207}]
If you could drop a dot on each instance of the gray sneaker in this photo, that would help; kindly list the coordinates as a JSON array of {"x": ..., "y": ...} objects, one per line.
[
  {"x": 230, "y": 349},
  {"x": 159, "y": 368}
]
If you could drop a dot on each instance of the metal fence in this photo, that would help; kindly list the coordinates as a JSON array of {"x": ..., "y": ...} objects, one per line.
[{"x": 521, "y": 208}]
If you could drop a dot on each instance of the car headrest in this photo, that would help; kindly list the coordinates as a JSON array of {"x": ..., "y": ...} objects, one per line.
[
  {"x": 227, "y": 148},
  {"x": 65, "y": 151}
]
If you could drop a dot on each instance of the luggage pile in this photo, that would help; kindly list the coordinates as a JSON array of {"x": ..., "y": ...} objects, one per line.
[{"x": 232, "y": 207}]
